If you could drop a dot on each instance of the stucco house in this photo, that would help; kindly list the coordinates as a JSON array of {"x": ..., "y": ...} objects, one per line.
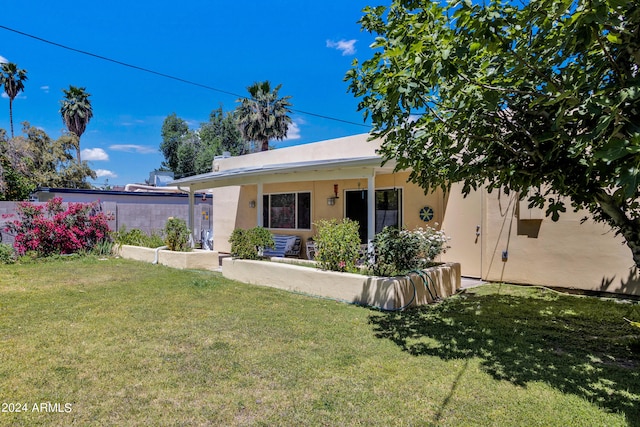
[{"x": 493, "y": 236}]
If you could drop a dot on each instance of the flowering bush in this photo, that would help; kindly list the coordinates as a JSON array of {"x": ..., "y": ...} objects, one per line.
[
  {"x": 50, "y": 229},
  {"x": 400, "y": 251},
  {"x": 337, "y": 244},
  {"x": 433, "y": 242}
]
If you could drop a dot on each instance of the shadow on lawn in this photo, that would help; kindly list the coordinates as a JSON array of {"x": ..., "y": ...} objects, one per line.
[{"x": 582, "y": 346}]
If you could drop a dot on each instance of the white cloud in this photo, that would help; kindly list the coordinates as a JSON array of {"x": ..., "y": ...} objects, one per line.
[
  {"x": 347, "y": 47},
  {"x": 94, "y": 154},
  {"x": 132, "y": 148},
  {"x": 45, "y": 89},
  {"x": 19, "y": 96},
  {"x": 131, "y": 123},
  {"x": 104, "y": 173},
  {"x": 3, "y": 60},
  {"x": 294, "y": 131}
]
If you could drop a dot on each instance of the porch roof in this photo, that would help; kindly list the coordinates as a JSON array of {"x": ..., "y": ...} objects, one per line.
[{"x": 314, "y": 170}]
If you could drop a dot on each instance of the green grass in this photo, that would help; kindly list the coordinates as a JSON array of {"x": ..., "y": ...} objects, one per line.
[{"x": 128, "y": 343}]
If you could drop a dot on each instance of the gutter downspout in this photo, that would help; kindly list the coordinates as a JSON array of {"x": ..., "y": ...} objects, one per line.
[{"x": 155, "y": 259}]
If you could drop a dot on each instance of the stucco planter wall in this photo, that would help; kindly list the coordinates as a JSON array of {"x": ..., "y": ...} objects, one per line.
[
  {"x": 385, "y": 292},
  {"x": 196, "y": 259}
]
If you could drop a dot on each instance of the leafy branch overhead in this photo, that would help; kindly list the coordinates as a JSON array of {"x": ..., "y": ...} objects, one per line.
[{"x": 541, "y": 99}]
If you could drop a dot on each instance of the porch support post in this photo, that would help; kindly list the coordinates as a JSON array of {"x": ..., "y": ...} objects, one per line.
[
  {"x": 259, "y": 207},
  {"x": 190, "y": 219},
  {"x": 371, "y": 208}
]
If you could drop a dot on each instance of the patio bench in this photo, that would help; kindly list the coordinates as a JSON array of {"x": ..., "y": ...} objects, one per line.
[{"x": 284, "y": 246}]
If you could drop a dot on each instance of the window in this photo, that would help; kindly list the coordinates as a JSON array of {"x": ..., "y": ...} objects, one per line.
[
  {"x": 287, "y": 210},
  {"x": 388, "y": 208}
]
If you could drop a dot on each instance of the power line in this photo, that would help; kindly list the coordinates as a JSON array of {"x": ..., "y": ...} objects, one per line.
[
  {"x": 146, "y": 70},
  {"x": 168, "y": 76}
]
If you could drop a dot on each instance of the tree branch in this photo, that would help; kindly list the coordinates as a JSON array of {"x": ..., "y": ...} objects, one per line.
[
  {"x": 614, "y": 66},
  {"x": 505, "y": 90}
]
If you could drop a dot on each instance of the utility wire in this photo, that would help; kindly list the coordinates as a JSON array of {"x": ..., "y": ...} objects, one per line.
[
  {"x": 168, "y": 76},
  {"x": 146, "y": 70}
]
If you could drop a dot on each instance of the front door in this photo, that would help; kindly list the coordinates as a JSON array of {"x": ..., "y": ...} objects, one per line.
[
  {"x": 388, "y": 209},
  {"x": 356, "y": 209}
]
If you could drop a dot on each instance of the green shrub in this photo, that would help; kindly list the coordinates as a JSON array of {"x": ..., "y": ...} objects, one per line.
[
  {"x": 154, "y": 240},
  {"x": 397, "y": 252},
  {"x": 337, "y": 244},
  {"x": 102, "y": 248},
  {"x": 7, "y": 254},
  {"x": 132, "y": 237},
  {"x": 246, "y": 244},
  {"x": 240, "y": 246},
  {"x": 177, "y": 235},
  {"x": 137, "y": 237}
]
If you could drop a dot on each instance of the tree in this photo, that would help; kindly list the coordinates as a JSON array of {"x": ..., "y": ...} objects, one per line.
[
  {"x": 173, "y": 130},
  {"x": 190, "y": 152},
  {"x": 35, "y": 160},
  {"x": 13, "y": 80},
  {"x": 218, "y": 135},
  {"x": 76, "y": 113},
  {"x": 541, "y": 99},
  {"x": 264, "y": 116},
  {"x": 14, "y": 184},
  {"x": 223, "y": 128},
  {"x": 187, "y": 154},
  {"x": 68, "y": 173}
]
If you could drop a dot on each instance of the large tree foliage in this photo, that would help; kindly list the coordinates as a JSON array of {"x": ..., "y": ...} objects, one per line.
[
  {"x": 263, "y": 116},
  {"x": 76, "y": 111},
  {"x": 222, "y": 133},
  {"x": 189, "y": 152},
  {"x": 35, "y": 160},
  {"x": 12, "y": 78},
  {"x": 52, "y": 162},
  {"x": 173, "y": 130},
  {"x": 542, "y": 99},
  {"x": 14, "y": 184}
]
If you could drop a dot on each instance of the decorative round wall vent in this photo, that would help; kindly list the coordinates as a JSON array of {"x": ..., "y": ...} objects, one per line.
[{"x": 426, "y": 213}]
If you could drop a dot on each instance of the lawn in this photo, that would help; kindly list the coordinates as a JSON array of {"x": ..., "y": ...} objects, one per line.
[{"x": 116, "y": 342}]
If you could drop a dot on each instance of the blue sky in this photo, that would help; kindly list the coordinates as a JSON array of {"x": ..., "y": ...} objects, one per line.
[{"x": 306, "y": 46}]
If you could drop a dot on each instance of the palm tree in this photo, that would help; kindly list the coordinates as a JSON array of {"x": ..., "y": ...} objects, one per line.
[
  {"x": 12, "y": 79},
  {"x": 264, "y": 116},
  {"x": 76, "y": 112}
]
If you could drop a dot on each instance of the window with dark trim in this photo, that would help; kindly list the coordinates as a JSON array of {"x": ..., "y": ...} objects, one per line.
[
  {"x": 287, "y": 210},
  {"x": 388, "y": 208}
]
